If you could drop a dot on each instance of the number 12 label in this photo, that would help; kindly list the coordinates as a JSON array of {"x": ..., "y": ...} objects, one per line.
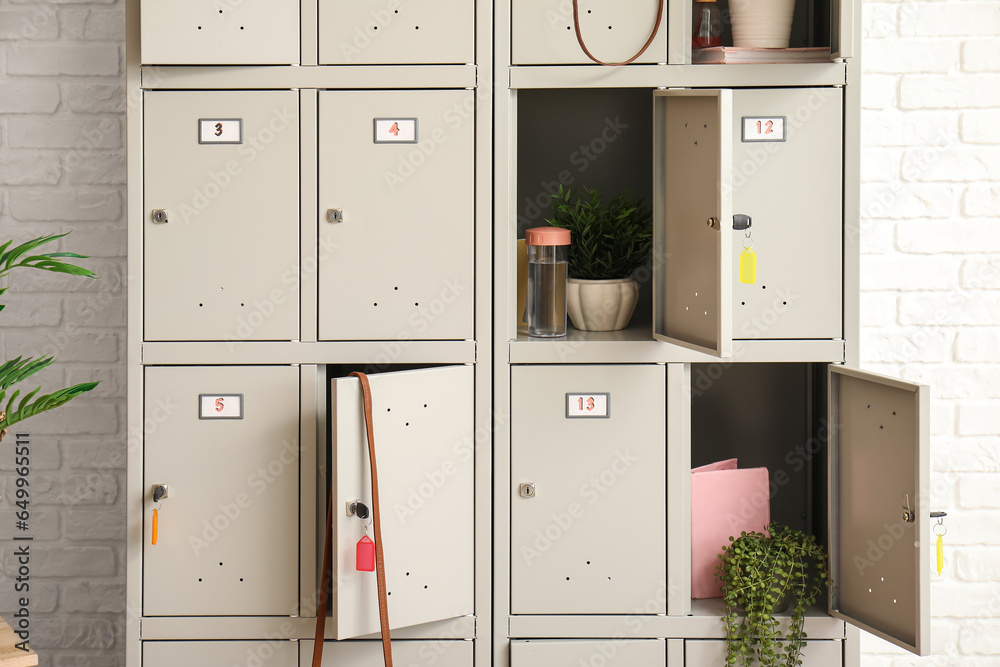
[
  {"x": 588, "y": 405},
  {"x": 220, "y": 406},
  {"x": 757, "y": 128}
]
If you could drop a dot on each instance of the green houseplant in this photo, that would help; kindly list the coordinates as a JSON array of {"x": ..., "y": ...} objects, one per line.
[
  {"x": 609, "y": 242},
  {"x": 19, "y": 369},
  {"x": 761, "y": 574}
]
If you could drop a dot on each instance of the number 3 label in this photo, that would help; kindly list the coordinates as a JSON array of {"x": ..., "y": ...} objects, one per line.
[
  {"x": 758, "y": 128},
  {"x": 221, "y": 406},
  {"x": 588, "y": 405},
  {"x": 220, "y": 130}
]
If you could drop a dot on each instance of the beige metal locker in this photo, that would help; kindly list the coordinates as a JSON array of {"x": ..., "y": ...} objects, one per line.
[
  {"x": 221, "y": 215},
  {"x": 577, "y": 652},
  {"x": 588, "y": 507},
  {"x": 275, "y": 653},
  {"x": 397, "y": 32},
  {"x": 225, "y": 442},
  {"x": 396, "y": 219},
  {"x": 225, "y": 32},
  {"x": 712, "y": 653},
  {"x": 406, "y": 653},
  {"x": 423, "y": 423},
  {"x": 542, "y": 31},
  {"x": 774, "y": 155}
]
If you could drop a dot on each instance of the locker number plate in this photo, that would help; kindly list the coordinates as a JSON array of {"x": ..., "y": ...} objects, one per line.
[
  {"x": 395, "y": 130},
  {"x": 759, "y": 128},
  {"x": 588, "y": 405},
  {"x": 221, "y": 406},
  {"x": 220, "y": 131}
]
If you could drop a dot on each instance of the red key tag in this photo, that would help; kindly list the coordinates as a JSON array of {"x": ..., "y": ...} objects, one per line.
[{"x": 366, "y": 555}]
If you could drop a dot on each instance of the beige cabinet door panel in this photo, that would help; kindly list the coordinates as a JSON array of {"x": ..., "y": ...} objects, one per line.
[
  {"x": 440, "y": 653},
  {"x": 423, "y": 423},
  {"x": 225, "y": 32},
  {"x": 399, "y": 266},
  {"x": 223, "y": 266},
  {"x": 228, "y": 538},
  {"x": 219, "y": 653},
  {"x": 712, "y": 653},
  {"x": 576, "y": 652},
  {"x": 614, "y": 30},
  {"x": 591, "y": 537},
  {"x": 397, "y": 32}
]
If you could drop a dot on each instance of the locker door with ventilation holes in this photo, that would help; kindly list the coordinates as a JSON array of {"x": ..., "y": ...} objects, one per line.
[
  {"x": 423, "y": 424},
  {"x": 272, "y": 653}
]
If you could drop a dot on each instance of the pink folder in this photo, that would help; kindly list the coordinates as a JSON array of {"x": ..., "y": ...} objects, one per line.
[{"x": 724, "y": 502}]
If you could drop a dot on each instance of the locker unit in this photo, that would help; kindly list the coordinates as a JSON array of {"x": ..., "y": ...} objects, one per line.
[
  {"x": 424, "y": 429},
  {"x": 567, "y": 652},
  {"x": 227, "y": 448},
  {"x": 404, "y": 240},
  {"x": 227, "y": 32},
  {"x": 573, "y": 476},
  {"x": 207, "y": 157},
  {"x": 398, "y": 32},
  {"x": 542, "y": 32}
]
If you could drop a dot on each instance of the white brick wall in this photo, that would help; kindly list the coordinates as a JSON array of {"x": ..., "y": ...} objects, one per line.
[
  {"x": 62, "y": 168},
  {"x": 930, "y": 303}
]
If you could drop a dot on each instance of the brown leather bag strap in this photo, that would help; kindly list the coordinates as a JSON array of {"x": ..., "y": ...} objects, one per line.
[
  {"x": 383, "y": 601},
  {"x": 583, "y": 45}
]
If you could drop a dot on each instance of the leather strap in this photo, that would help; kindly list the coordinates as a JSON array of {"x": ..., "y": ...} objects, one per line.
[
  {"x": 383, "y": 603},
  {"x": 583, "y": 45}
]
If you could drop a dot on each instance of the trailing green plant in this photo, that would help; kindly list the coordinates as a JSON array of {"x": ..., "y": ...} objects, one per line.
[
  {"x": 19, "y": 369},
  {"x": 758, "y": 571},
  {"x": 609, "y": 241}
]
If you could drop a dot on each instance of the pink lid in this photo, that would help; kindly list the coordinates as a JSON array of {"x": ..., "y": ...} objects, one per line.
[{"x": 547, "y": 236}]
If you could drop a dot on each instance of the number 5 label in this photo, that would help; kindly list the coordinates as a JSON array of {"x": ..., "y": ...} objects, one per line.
[
  {"x": 588, "y": 405},
  {"x": 759, "y": 128},
  {"x": 220, "y": 406}
]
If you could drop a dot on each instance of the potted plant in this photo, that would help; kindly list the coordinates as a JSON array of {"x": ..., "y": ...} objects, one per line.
[
  {"x": 609, "y": 243},
  {"x": 761, "y": 575},
  {"x": 16, "y": 370}
]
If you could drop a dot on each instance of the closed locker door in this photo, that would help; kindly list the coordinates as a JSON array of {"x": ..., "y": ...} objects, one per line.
[
  {"x": 272, "y": 653},
  {"x": 614, "y": 30},
  {"x": 221, "y": 215},
  {"x": 224, "y": 32},
  {"x": 397, "y": 32},
  {"x": 225, "y": 443},
  {"x": 396, "y": 215},
  {"x": 712, "y": 653},
  {"x": 788, "y": 177},
  {"x": 588, "y": 505},
  {"x": 576, "y": 652},
  {"x": 423, "y": 424},
  {"x": 440, "y": 653}
]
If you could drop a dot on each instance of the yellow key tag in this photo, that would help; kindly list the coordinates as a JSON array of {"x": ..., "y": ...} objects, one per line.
[
  {"x": 940, "y": 553},
  {"x": 748, "y": 266}
]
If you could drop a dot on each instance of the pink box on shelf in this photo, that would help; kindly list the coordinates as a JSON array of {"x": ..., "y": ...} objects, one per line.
[{"x": 725, "y": 501}]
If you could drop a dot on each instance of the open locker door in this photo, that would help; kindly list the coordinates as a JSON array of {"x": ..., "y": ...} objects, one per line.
[
  {"x": 693, "y": 211},
  {"x": 842, "y": 28},
  {"x": 879, "y": 515},
  {"x": 424, "y": 446}
]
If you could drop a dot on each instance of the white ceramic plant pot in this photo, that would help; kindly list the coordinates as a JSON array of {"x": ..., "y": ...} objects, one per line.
[
  {"x": 601, "y": 305},
  {"x": 763, "y": 24}
]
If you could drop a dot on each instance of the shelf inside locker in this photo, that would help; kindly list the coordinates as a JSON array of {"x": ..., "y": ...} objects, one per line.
[
  {"x": 811, "y": 24},
  {"x": 818, "y": 623}
]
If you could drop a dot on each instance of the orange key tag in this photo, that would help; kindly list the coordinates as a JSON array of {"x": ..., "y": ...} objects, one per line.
[{"x": 156, "y": 524}]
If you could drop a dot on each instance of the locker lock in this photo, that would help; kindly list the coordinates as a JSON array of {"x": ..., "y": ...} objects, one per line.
[
  {"x": 160, "y": 215},
  {"x": 335, "y": 215},
  {"x": 741, "y": 222},
  {"x": 528, "y": 490},
  {"x": 160, "y": 492},
  {"x": 358, "y": 509}
]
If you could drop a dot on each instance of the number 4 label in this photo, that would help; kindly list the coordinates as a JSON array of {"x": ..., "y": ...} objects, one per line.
[
  {"x": 588, "y": 405},
  {"x": 760, "y": 128},
  {"x": 220, "y": 406}
]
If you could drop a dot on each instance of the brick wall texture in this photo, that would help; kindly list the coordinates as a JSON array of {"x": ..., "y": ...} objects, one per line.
[{"x": 930, "y": 301}]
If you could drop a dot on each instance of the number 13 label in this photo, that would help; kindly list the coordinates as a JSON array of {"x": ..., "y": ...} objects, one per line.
[
  {"x": 588, "y": 405},
  {"x": 757, "y": 128},
  {"x": 220, "y": 406}
]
